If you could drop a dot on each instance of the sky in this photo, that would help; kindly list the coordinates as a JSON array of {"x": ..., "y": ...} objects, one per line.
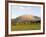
[{"x": 18, "y": 10}]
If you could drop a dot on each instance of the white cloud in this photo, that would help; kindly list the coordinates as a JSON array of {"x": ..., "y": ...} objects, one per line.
[{"x": 21, "y": 7}]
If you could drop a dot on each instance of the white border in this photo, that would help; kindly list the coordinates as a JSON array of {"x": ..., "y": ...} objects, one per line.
[{"x": 23, "y": 32}]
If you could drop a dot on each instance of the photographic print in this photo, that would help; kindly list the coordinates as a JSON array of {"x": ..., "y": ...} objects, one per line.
[{"x": 25, "y": 18}]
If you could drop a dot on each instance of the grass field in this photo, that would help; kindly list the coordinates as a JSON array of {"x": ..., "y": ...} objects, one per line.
[{"x": 20, "y": 27}]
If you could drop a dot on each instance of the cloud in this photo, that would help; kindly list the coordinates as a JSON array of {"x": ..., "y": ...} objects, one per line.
[
  {"x": 29, "y": 9},
  {"x": 21, "y": 7}
]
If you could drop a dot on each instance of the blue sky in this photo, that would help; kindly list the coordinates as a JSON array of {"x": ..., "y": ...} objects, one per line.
[{"x": 25, "y": 10}]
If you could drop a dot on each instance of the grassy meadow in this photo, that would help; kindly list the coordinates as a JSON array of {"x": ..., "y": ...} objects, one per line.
[{"x": 25, "y": 26}]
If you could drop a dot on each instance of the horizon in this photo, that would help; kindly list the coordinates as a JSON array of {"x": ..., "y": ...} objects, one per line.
[{"x": 24, "y": 15}]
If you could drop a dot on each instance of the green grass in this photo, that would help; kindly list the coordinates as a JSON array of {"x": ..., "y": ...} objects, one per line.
[{"x": 20, "y": 27}]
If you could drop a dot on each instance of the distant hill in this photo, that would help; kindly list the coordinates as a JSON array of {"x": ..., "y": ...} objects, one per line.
[{"x": 24, "y": 18}]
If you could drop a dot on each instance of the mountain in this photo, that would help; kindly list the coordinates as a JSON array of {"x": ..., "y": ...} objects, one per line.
[{"x": 24, "y": 18}]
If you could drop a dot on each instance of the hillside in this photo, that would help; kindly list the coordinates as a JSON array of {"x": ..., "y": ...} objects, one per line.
[
  {"x": 24, "y": 18},
  {"x": 25, "y": 22}
]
